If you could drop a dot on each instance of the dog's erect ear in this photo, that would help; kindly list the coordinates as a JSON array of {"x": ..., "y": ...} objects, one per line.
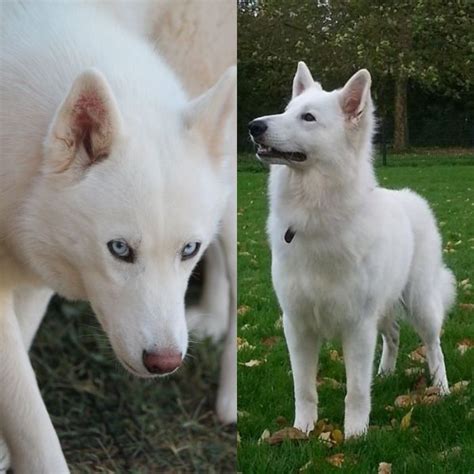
[
  {"x": 302, "y": 80},
  {"x": 213, "y": 114},
  {"x": 355, "y": 94},
  {"x": 85, "y": 125}
]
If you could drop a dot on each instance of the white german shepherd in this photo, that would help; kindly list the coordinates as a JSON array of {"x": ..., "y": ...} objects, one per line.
[
  {"x": 345, "y": 251},
  {"x": 112, "y": 184}
]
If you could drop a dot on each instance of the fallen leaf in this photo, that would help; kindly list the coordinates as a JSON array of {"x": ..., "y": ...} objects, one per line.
[
  {"x": 321, "y": 426},
  {"x": 420, "y": 383},
  {"x": 414, "y": 371},
  {"x": 264, "y": 436},
  {"x": 467, "y": 306},
  {"x": 418, "y": 355},
  {"x": 432, "y": 391},
  {"x": 464, "y": 345},
  {"x": 281, "y": 420},
  {"x": 337, "y": 436},
  {"x": 454, "y": 451},
  {"x": 406, "y": 420},
  {"x": 243, "y": 309},
  {"x": 336, "y": 459},
  {"x": 422, "y": 397},
  {"x": 306, "y": 466},
  {"x": 403, "y": 401},
  {"x": 278, "y": 323},
  {"x": 270, "y": 341},
  {"x": 385, "y": 468},
  {"x": 242, "y": 414},
  {"x": 243, "y": 344},
  {"x": 325, "y": 438},
  {"x": 289, "y": 433},
  {"x": 252, "y": 363},
  {"x": 335, "y": 356},
  {"x": 459, "y": 386},
  {"x": 332, "y": 383}
]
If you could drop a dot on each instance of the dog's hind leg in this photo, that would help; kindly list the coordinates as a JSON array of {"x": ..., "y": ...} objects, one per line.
[
  {"x": 427, "y": 314},
  {"x": 26, "y": 426},
  {"x": 391, "y": 338},
  {"x": 304, "y": 346}
]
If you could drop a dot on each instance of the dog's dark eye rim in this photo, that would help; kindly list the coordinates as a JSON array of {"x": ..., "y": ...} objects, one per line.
[
  {"x": 126, "y": 254},
  {"x": 186, "y": 254},
  {"x": 307, "y": 117}
]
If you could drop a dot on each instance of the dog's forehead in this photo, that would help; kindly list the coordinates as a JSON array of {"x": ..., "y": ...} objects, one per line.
[{"x": 310, "y": 97}]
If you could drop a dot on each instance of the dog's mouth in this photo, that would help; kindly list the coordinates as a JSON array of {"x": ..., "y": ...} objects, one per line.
[{"x": 271, "y": 155}]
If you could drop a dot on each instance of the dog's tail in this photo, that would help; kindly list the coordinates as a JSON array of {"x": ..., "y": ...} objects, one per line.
[{"x": 447, "y": 284}]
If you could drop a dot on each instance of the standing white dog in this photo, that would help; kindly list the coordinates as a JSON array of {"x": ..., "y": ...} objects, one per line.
[
  {"x": 345, "y": 251},
  {"x": 112, "y": 184}
]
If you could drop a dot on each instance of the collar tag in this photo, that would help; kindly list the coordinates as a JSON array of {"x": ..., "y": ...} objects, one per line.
[{"x": 289, "y": 234}]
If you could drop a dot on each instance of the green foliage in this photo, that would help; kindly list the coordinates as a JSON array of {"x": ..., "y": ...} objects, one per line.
[{"x": 431, "y": 43}]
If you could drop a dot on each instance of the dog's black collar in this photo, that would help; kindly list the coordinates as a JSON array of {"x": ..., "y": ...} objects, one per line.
[{"x": 289, "y": 234}]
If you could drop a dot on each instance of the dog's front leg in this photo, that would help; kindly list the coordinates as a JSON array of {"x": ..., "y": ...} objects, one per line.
[
  {"x": 24, "y": 421},
  {"x": 227, "y": 393},
  {"x": 303, "y": 346},
  {"x": 358, "y": 344}
]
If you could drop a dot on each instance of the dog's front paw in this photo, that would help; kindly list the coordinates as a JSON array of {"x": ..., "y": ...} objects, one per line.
[
  {"x": 305, "y": 426},
  {"x": 352, "y": 431},
  {"x": 4, "y": 457},
  {"x": 226, "y": 407},
  {"x": 306, "y": 417}
]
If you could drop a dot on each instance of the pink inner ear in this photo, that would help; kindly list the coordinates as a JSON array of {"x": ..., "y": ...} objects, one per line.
[
  {"x": 351, "y": 104},
  {"x": 89, "y": 111}
]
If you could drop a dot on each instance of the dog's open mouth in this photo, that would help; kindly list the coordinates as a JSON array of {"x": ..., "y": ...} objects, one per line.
[{"x": 272, "y": 155}]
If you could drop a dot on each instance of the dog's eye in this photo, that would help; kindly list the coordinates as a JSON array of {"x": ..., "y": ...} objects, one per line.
[
  {"x": 190, "y": 250},
  {"x": 308, "y": 117},
  {"x": 120, "y": 249}
]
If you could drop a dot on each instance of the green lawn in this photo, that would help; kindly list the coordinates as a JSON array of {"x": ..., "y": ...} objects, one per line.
[
  {"x": 440, "y": 437},
  {"x": 110, "y": 422}
]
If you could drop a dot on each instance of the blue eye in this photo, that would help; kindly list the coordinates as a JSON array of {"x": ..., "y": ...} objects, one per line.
[
  {"x": 120, "y": 249},
  {"x": 190, "y": 250},
  {"x": 308, "y": 117}
]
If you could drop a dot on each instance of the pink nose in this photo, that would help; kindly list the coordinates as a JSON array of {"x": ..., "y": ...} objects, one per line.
[{"x": 162, "y": 362}]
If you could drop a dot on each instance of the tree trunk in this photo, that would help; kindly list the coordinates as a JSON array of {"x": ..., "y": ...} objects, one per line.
[{"x": 400, "y": 133}]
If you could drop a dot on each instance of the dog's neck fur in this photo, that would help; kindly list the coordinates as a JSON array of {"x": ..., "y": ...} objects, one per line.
[{"x": 317, "y": 194}]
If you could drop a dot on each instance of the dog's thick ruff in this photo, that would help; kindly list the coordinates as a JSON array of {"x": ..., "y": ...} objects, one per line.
[
  {"x": 358, "y": 248},
  {"x": 98, "y": 142}
]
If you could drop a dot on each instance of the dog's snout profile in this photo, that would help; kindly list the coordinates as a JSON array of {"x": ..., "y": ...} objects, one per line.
[
  {"x": 162, "y": 362},
  {"x": 257, "y": 128}
]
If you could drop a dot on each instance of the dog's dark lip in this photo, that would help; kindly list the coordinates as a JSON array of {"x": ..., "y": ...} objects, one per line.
[{"x": 265, "y": 152}]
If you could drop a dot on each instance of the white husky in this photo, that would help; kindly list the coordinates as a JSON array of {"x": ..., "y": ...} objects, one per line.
[
  {"x": 112, "y": 184},
  {"x": 345, "y": 251}
]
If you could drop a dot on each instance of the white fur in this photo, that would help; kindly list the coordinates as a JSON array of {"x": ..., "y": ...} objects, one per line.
[
  {"x": 157, "y": 175},
  {"x": 358, "y": 249}
]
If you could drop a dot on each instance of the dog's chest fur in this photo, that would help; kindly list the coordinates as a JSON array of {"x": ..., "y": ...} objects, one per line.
[{"x": 325, "y": 268}]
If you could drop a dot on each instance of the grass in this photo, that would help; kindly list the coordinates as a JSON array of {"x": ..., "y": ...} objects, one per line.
[
  {"x": 110, "y": 422},
  {"x": 440, "y": 438}
]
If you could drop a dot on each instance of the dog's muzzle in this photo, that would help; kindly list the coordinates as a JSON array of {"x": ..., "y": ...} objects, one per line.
[{"x": 268, "y": 154}]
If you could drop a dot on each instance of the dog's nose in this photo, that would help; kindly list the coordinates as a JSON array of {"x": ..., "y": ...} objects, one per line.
[
  {"x": 257, "y": 128},
  {"x": 162, "y": 362}
]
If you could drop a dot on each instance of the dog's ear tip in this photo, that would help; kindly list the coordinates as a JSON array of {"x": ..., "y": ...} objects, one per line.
[{"x": 365, "y": 74}]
